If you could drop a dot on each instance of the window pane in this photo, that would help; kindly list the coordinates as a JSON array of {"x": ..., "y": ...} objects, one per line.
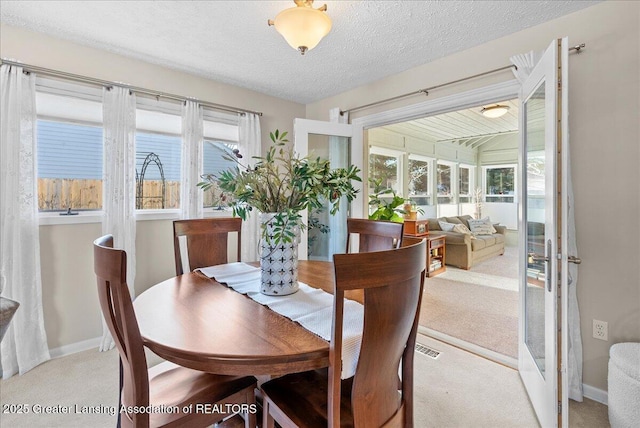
[
  {"x": 157, "y": 171},
  {"x": 69, "y": 166},
  {"x": 444, "y": 183},
  {"x": 384, "y": 168},
  {"x": 500, "y": 184},
  {"x": 214, "y": 164},
  {"x": 464, "y": 197},
  {"x": 418, "y": 177}
]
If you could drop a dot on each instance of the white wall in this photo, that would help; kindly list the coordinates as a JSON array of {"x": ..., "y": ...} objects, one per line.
[
  {"x": 70, "y": 299},
  {"x": 604, "y": 98}
]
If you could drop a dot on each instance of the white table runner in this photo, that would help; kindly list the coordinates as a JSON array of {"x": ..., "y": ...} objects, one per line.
[{"x": 309, "y": 306}]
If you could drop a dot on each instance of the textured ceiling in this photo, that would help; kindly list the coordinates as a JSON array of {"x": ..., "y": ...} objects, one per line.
[{"x": 229, "y": 41}]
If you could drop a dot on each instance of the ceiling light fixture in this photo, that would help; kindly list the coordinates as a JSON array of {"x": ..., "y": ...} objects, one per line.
[
  {"x": 494, "y": 111},
  {"x": 302, "y": 26}
]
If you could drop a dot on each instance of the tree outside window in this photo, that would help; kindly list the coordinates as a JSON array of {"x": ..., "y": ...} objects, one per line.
[
  {"x": 419, "y": 181},
  {"x": 464, "y": 186},
  {"x": 500, "y": 184},
  {"x": 385, "y": 169},
  {"x": 443, "y": 173}
]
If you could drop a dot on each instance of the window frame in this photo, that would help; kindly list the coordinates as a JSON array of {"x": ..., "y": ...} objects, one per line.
[
  {"x": 48, "y": 86},
  {"x": 214, "y": 211},
  {"x": 430, "y": 176},
  {"x": 94, "y": 93},
  {"x": 453, "y": 191},
  {"x": 400, "y": 167},
  {"x": 472, "y": 180},
  {"x": 168, "y": 108},
  {"x": 514, "y": 196}
]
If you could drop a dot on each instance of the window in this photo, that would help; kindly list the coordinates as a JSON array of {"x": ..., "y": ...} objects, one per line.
[
  {"x": 220, "y": 139},
  {"x": 443, "y": 173},
  {"x": 464, "y": 183},
  {"x": 419, "y": 179},
  {"x": 499, "y": 183},
  {"x": 385, "y": 167},
  {"x": 157, "y": 171},
  {"x": 158, "y": 156},
  {"x": 215, "y": 162},
  {"x": 69, "y": 150}
]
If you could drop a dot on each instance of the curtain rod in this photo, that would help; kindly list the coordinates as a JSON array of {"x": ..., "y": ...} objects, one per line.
[
  {"x": 425, "y": 91},
  {"x": 106, "y": 83}
]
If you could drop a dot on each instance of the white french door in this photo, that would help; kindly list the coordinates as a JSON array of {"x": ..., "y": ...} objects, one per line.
[
  {"x": 328, "y": 140},
  {"x": 543, "y": 226}
]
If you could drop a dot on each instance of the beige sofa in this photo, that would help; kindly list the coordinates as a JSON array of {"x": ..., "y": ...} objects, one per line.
[{"x": 461, "y": 250}]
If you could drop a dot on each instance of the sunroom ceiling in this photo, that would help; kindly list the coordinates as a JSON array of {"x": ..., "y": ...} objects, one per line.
[{"x": 467, "y": 128}]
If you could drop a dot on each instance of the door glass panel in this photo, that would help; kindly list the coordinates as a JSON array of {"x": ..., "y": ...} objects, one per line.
[
  {"x": 534, "y": 112},
  {"x": 327, "y": 234}
]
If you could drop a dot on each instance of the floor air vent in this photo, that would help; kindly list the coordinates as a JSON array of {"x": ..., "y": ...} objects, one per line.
[{"x": 425, "y": 350}]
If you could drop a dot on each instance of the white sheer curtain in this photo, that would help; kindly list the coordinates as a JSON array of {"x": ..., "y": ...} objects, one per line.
[
  {"x": 192, "y": 153},
  {"x": 249, "y": 144},
  {"x": 119, "y": 186},
  {"x": 575, "y": 340},
  {"x": 25, "y": 343},
  {"x": 525, "y": 63}
]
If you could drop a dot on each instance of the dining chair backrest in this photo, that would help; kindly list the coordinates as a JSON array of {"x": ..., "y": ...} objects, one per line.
[
  {"x": 392, "y": 282},
  {"x": 206, "y": 241},
  {"x": 110, "y": 266},
  {"x": 374, "y": 235}
]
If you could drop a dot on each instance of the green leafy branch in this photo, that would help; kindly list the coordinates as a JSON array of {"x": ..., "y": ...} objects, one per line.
[{"x": 284, "y": 183}]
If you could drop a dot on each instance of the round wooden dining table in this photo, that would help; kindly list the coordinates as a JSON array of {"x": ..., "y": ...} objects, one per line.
[{"x": 196, "y": 322}]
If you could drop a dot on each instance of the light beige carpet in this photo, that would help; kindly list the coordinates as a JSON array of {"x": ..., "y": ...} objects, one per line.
[
  {"x": 479, "y": 306},
  {"x": 458, "y": 389},
  {"x": 485, "y": 316}
]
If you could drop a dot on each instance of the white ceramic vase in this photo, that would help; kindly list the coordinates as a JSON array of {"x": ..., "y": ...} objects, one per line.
[{"x": 278, "y": 262}]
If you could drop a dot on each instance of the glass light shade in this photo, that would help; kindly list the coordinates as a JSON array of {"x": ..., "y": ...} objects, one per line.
[
  {"x": 302, "y": 27},
  {"x": 495, "y": 111}
]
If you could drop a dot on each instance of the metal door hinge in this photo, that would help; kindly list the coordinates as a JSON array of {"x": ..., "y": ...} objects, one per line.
[{"x": 559, "y": 407}]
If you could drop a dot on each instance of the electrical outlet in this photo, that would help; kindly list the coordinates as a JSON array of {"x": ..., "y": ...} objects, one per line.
[{"x": 600, "y": 330}]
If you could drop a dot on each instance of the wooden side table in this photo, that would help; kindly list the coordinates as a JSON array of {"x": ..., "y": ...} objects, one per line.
[{"x": 435, "y": 255}]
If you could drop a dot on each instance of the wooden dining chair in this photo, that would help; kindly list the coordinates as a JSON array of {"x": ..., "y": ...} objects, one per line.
[
  {"x": 374, "y": 235},
  {"x": 392, "y": 282},
  {"x": 206, "y": 241},
  {"x": 165, "y": 384}
]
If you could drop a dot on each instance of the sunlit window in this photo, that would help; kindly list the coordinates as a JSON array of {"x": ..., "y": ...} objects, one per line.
[{"x": 499, "y": 183}]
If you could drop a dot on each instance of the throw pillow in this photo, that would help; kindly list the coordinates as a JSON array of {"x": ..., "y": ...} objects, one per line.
[
  {"x": 487, "y": 220},
  {"x": 481, "y": 227},
  {"x": 446, "y": 227},
  {"x": 461, "y": 228}
]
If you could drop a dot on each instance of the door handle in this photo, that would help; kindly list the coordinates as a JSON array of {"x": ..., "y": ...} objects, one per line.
[
  {"x": 535, "y": 257},
  {"x": 574, "y": 259}
]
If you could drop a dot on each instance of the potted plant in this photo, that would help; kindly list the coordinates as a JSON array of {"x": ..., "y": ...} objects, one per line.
[
  {"x": 389, "y": 205},
  {"x": 280, "y": 186}
]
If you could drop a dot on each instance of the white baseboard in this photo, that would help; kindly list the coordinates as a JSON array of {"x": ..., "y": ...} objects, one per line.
[
  {"x": 478, "y": 350},
  {"x": 72, "y": 348},
  {"x": 595, "y": 394}
]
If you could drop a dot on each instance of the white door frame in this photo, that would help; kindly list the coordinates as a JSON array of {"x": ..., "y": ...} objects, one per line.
[
  {"x": 485, "y": 95},
  {"x": 468, "y": 99},
  {"x": 301, "y": 130}
]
